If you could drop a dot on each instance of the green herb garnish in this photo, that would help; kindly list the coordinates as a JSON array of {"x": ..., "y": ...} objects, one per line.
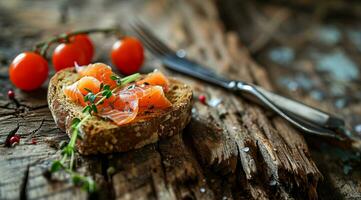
[{"x": 68, "y": 150}]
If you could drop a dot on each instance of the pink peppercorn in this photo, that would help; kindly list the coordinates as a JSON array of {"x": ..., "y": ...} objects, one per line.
[
  {"x": 33, "y": 141},
  {"x": 11, "y": 94},
  {"x": 15, "y": 139},
  {"x": 202, "y": 99}
]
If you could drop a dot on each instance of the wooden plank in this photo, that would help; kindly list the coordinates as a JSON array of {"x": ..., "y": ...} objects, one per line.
[
  {"x": 307, "y": 82},
  {"x": 232, "y": 150}
]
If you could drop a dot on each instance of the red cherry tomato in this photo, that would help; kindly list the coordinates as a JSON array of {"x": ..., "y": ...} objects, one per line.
[
  {"x": 84, "y": 42},
  {"x": 128, "y": 55},
  {"x": 66, "y": 54},
  {"x": 28, "y": 71}
]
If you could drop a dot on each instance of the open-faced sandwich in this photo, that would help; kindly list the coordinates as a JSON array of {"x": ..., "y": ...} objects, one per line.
[{"x": 127, "y": 113}]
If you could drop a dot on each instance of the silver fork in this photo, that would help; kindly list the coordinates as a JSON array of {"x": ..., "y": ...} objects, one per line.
[{"x": 303, "y": 117}]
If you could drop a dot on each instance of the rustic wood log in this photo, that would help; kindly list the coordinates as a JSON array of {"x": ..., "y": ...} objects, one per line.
[
  {"x": 331, "y": 160},
  {"x": 229, "y": 151}
]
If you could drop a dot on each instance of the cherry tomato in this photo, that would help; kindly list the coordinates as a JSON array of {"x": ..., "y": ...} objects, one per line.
[
  {"x": 28, "y": 71},
  {"x": 66, "y": 54},
  {"x": 84, "y": 42},
  {"x": 127, "y": 55}
]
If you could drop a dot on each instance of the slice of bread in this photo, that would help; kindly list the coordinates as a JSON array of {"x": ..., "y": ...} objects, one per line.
[{"x": 103, "y": 136}]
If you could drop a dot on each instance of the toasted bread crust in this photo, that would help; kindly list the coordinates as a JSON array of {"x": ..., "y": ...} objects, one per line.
[{"x": 101, "y": 136}]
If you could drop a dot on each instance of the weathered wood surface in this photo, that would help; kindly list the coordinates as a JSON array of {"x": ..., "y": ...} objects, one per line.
[
  {"x": 230, "y": 151},
  {"x": 293, "y": 45}
]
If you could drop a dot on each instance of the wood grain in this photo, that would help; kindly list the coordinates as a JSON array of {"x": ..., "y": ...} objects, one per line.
[
  {"x": 304, "y": 33},
  {"x": 230, "y": 151}
]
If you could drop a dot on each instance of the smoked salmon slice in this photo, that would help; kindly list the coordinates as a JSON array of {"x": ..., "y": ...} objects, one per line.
[
  {"x": 87, "y": 84},
  {"x": 154, "y": 98},
  {"x": 124, "y": 104},
  {"x": 149, "y": 97},
  {"x": 100, "y": 71},
  {"x": 74, "y": 94},
  {"x": 155, "y": 78},
  {"x": 128, "y": 102},
  {"x": 124, "y": 114}
]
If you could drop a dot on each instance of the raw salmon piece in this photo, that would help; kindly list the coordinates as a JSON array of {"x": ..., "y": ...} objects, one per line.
[
  {"x": 115, "y": 102},
  {"x": 88, "y": 83},
  {"x": 154, "y": 98},
  {"x": 107, "y": 103},
  {"x": 93, "y": 70},
  {"x": 149, "y": 97},
  {"x": 74, "y": 94},
  {"x": 155, "y": 78},
  {"x": 126, "y": 105},
  {"x": 118, "y": 102},
  {"x": 140, "y": 91},
  {"x": 124, "y": 114},
  {"x": 100, "y": 71},
  {"x": 123, "y": 106}
]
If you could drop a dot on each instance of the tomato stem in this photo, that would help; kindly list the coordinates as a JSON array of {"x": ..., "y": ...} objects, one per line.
[{"x": 42, "y": 47}]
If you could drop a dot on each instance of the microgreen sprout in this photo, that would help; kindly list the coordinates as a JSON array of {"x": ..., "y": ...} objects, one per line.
[{"x": 66, "y": 163}]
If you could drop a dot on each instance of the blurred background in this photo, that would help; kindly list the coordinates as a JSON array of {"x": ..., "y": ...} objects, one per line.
[{"x": 310, "y": 50}]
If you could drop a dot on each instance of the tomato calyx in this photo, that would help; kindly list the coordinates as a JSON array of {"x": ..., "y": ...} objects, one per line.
[{"x": 42, "y": 47}]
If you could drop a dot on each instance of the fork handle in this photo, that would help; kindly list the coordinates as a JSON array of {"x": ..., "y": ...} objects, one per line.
[
  {"x": 303, "y": 124},
  {"x": 303, "y": 111}
]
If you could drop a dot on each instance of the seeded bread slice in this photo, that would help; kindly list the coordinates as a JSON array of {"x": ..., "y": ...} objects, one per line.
[{"x": 101, "y": 136}]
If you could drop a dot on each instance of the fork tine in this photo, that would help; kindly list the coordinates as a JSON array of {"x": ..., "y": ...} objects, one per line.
[
  {"x": 147, "y": 44},
  {"x": 154, "y": 39}
]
